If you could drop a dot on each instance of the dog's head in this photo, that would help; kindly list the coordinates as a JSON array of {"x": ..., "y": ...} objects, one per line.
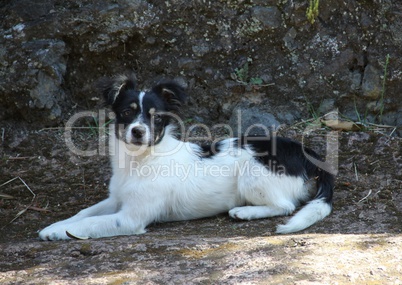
[{"x": 142, "y": 116}]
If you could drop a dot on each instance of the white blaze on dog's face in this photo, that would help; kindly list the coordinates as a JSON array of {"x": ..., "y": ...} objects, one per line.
[{"x": 141, "y": 117}]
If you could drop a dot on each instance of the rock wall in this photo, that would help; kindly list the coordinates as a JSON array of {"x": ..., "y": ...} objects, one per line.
[{"x": 263, "y": 57}]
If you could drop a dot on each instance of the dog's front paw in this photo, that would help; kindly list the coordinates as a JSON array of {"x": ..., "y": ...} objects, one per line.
[
  {"x": 241, "y": 213},
  {"x": 54, "y": 232}
]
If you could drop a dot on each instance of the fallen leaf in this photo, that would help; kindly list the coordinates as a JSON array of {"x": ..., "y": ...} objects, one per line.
[{"x": 342, "y": 125}]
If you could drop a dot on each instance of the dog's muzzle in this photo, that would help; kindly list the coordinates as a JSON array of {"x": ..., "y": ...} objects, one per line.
[{"x": 138, "y": 135}]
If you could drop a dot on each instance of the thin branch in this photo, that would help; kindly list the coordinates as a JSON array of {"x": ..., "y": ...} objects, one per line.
[
  {"x": 365, "y": 197},
  {"x": 27, "y": 207},
  {"x": 356, "y": 174}
]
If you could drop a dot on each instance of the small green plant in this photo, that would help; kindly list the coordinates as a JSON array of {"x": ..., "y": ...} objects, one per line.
[
  {"x": 189, "y": 121},
  {"x": 241, "y": 75},
  {"x": 312, "y": 11},
  {"x": 361, "y": 120},
  {"x": 384, "y": 80},
  {"x": 94, "y": 127},
  {"x": 310, "y": 108},
  {"x": 256, "y": 81}
]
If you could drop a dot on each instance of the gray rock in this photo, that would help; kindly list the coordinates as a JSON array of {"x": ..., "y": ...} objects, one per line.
[
  {"x": 201, "y": 49},
  {"x": 286, "y": 116},
  {"x": 181, "y": 81},
  {"x": 371, "y": 84},
  {"x": 188, "y": 63},
  {"x": 43, "y": 95},
  {"x": 270, "y": 17},
  {"x": 326, "y": 106},
  {"x": 34, "y": 81},
  {"x": 356, "y": 80},
  {"x": 289, "y": 39},
  {"x": 252, "y": 121}
]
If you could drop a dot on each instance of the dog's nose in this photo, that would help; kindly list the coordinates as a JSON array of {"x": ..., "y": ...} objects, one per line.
[{"x": 138, "y": 132}]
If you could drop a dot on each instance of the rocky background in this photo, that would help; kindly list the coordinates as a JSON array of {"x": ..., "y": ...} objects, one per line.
[{"x": 264, "y": 57}]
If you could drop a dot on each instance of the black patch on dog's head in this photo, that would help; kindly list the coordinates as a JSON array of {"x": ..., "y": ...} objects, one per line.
[
  {"x": 172, "y": 94},
  {"x": 112, "y": 88}
]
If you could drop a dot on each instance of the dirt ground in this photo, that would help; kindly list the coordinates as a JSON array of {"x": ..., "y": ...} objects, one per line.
[{"x": 359, "y": 243}]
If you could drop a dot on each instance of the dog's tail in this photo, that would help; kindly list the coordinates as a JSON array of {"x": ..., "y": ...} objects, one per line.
[{"x": 315, "y": 210}]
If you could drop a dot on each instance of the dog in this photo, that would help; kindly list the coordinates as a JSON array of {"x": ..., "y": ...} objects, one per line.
[{"x": 160, "y": 178}]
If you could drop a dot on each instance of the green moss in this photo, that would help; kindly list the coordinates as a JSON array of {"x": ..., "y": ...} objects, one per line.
[{"x": 312, "y": 11}]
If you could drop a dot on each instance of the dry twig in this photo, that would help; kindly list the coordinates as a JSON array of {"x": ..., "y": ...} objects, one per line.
[
  {"x": 365, "y": 197},
  {"x": 26, "y": 208}
]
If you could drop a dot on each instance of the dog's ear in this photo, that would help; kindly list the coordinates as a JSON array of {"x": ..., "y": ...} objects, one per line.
[
  {"x": 111, "y": 88},
  {"x": 172, "y": 93}
]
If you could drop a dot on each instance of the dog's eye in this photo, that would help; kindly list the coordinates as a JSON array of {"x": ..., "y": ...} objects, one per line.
[
  {"x": 126, "y": 113},
  {"x": 157, "y": 118}
]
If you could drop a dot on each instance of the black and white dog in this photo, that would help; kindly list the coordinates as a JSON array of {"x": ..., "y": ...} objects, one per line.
[{"x": 158, "y": 178}]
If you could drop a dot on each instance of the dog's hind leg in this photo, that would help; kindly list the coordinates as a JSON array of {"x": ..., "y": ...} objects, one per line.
[{"x": 260, "y": 212}]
